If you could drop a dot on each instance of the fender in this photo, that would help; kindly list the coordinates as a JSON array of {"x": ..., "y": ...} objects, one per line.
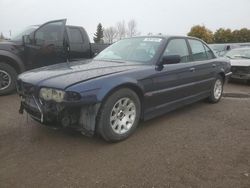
[
  {"x": 116, "y": 83},
  {"x": 89, "y": 112},
  {"x": 18, "y": 62},
  {"x": 96, "y": 91}
]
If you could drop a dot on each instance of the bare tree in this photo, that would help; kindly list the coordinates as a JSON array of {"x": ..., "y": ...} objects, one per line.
[
  {"x": 132, "y": 28},
  {"x": 121, "y": 29},
  {"x": 110, "y": 34}
]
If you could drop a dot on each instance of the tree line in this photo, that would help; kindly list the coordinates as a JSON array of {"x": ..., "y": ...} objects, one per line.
[
  {"x": 117, "y": 32},
  {"x": 123, "y": 29},
  {"x": 221, "y": 35}
]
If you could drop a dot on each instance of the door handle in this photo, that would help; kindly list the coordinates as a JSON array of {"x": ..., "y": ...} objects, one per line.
[{"x": 192, "y": 69}]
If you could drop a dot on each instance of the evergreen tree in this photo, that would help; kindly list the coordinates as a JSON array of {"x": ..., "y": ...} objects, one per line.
[{"x": 98, "y": 36}]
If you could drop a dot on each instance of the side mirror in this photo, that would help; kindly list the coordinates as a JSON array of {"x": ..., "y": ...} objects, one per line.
[
  {"x": 26, "y": 39},
  {"x": 171, "y": 59}
]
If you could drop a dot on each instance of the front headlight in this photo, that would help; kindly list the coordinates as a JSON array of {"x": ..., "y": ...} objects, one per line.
[{"x": 52, "y": 94}]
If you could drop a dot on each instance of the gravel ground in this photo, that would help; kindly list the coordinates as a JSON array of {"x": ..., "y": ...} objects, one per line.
[
  {"x": 201, "y": 145},
  {"x": 237, "y": 87}
]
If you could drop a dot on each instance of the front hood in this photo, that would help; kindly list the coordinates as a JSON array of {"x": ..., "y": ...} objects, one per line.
[
  {"x": 240, "y": 62},
  {"x": 64, "y": 75}
]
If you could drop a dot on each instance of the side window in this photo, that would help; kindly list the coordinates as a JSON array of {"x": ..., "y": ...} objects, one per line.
[
  {"x": 51, "y": 33},
  {"x": 198, "y": 50},
  {"x": 178, "y": 47},
  {"x": 209, "y": 52},
  {"x": 75, "y": 35}
]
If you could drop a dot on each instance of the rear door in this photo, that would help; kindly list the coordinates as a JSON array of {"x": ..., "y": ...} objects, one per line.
[
  {"x": 47, "y": 45},
  {"x": 204, "y": 65}
]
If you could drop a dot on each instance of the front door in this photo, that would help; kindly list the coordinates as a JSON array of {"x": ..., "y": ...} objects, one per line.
[
  {"x": 172, "y": 84},
  {"x": 46, "y": 45}
]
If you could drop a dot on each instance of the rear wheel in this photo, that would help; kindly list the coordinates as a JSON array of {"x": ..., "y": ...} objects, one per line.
[
  {"x": 217, "y": 90},
  {"x": 119, "y": 115},
  {"x": 8, "y": 77}
]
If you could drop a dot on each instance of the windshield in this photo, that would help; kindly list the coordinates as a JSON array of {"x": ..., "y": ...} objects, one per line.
[
  {"x": 239, "y": 54},
  {"x": 141, "y": 49},
  {"x": 26, "y": 31}
]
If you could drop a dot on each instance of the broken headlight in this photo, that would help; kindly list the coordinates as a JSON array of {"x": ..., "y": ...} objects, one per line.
[{"x": 52, "y": 94}]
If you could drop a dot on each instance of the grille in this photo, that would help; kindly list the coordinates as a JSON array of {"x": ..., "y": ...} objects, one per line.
[{"x": 240, "y": 70}]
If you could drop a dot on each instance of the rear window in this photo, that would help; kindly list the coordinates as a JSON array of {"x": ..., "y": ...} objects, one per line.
[
  {"x": 210, "y": 54},
  {"x": 198, "y": 50}
]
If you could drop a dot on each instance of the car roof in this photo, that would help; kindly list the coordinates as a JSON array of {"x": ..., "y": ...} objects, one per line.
[{"x": 166, "y": 36}]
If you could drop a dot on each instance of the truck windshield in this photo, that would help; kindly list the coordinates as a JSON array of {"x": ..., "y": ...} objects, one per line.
[
  {"x": 140, "y": 49},
  {"x": 26, "y": 31}
]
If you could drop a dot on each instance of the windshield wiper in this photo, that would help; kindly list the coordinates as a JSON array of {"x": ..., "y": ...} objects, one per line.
[
  {"x": 229, "y": 57},
  {"x": 111, "y": 60}
]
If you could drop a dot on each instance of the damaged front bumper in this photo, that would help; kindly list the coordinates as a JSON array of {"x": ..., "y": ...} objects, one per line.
[
  {"x": 241, "y": 76},
  {"x": 81, "y": 117},
  {"x": 240, "y": 72}
]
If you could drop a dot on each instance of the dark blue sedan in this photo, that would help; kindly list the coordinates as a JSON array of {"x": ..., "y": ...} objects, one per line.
[{"x": 133, "y": 79}]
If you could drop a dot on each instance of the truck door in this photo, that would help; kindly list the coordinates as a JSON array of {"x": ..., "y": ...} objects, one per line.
[{"x": 47, "y": 45}]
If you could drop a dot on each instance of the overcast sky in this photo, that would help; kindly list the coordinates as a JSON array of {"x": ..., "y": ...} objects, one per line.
[{"x": 156, "y": 16}]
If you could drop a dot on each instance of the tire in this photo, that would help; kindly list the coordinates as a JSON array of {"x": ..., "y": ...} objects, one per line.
[
  {"x": 217, "y": 90},
  {"x": 8, "y": 76},
  {"x": 119, "y": 115}
]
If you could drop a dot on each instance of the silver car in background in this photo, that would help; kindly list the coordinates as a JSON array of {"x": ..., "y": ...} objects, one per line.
[
  {"x": 221, "y": 49},
  {"x": 240, "y": 63}
]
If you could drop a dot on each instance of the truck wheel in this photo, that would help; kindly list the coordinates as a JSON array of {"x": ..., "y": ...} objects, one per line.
[
  {"x": 119, "y": 115},
  {"x": 217, "y": 90},
  {"x": 8, "y": 77}
]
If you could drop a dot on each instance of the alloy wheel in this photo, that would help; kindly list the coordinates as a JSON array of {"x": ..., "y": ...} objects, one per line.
[
  {"x": 5, "y": 80},
  {"x": 123, "y": 115},
  {"x": 217, "y": 89}
]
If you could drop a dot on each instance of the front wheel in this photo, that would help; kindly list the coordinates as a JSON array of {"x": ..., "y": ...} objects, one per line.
[
  {"x": 8, "y": 77},
  {"x": 217, "y": 90},
  {"x": 119, "y": 115}
]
